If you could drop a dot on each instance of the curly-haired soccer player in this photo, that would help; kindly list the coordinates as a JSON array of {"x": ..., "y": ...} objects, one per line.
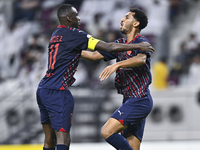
[{"x": 132, "y": 80}]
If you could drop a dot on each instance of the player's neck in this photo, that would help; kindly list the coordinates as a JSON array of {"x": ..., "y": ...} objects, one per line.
[
  {"x": 130, "y": 36},
  {"x": 65, "y": 24}
]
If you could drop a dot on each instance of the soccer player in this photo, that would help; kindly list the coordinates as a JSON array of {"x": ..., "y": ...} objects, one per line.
[
  {"x": 132, "y": 80},
  {"x": 55, "y": 101}
]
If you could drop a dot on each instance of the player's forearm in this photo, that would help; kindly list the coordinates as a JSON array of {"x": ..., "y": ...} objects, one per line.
[
  {"x": 91, "y": 55},
  {"x": 86, "y": 55},
  {"x": 132, "y": 62},
  {"x": 116, "y": 47}
]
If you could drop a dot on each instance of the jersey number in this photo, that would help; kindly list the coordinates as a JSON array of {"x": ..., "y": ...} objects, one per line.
[{"x": 52, "y": 55}]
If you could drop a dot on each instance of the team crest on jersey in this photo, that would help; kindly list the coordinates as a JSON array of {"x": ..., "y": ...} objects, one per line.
[
  {"x": 88, "y": 36},
  {"x": 129, "y": 52}
]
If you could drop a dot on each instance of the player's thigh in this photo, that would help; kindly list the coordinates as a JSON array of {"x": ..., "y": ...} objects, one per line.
[
  {"x": 133, "y": 110},
  {"x": 50, "y": 136},
  {"x": 41, "y": 96},
  {"x": 133, "y": 141},
  {"x": 60, "y": 106},
  {"x": 112, "y": 126}
]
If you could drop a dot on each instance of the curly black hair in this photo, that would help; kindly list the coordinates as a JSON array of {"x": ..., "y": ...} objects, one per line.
[{"x": 141, "y": 17}]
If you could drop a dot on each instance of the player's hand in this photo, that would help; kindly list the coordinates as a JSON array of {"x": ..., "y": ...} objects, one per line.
[
  {"x": 107, "y": 72},
  {"x": 146, "y": 47}
]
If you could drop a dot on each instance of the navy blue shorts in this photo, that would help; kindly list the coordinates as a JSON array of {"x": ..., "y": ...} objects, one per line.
[
  {"x": 133, "y": 113},
  {"x": 56, "y": 107}
]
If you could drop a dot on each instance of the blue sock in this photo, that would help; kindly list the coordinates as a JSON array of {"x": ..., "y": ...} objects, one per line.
[
  {"x": 62, "y": 147},
  {"x": 48, "y": 148},
  {"x": 119, "y": 142}
]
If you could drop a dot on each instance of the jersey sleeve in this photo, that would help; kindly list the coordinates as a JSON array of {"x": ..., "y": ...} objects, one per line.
[
  {"x": 139, "y": 40},
  {"x": 79, "y": 39},
  {"x": 84, "y": 40},
  {"x": 109, "y": 56}
]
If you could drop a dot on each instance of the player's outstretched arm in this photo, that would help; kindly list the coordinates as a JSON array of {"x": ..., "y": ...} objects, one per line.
[
  {"x": 95, "y": 55},
  {"x": 118, "y": 47},
  {"x": 136, "y": 61}
]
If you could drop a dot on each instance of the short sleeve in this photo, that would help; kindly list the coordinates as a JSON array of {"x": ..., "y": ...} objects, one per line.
[
  {"x": 139, "y": 40},
  {"x": 80, "y": 39},
  {"x": 108, "y": 56}
]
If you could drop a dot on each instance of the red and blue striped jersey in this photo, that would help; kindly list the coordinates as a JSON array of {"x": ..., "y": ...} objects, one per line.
[
  {"x": 131, "y": 81},
  {"x": 64, "y": 52}
]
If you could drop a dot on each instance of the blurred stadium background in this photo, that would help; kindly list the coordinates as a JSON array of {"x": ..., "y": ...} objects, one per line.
[{"x": 173, "y": 30}]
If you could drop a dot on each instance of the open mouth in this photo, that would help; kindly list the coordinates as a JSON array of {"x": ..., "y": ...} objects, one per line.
[{"x": 121, "y": 25}]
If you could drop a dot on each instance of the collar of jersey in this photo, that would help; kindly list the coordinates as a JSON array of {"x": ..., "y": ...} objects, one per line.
[
  {"x": 60, "y": 26},
  {"x": 134, "y": 38}
]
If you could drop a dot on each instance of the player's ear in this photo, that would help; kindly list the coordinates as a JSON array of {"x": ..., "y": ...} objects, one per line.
[
  {"x": 69, "y": 18},
  {"x": 136, "y": 24}
]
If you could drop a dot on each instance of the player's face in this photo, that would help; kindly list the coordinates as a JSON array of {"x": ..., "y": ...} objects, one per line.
[
  {"x": 127, "y": 23},
  {"x": 75, "y": 18}
]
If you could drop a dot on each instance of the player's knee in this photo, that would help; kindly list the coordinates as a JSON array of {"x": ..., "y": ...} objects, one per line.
[
  {"x": 63, "y": 138},
  {"x": 105, "y": 133}
]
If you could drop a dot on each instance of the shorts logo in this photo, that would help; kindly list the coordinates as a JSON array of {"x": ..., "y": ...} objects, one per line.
[{"x": 120, "y": 113}]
